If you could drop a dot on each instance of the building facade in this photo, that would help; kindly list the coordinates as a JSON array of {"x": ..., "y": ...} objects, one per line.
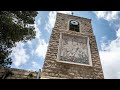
[{"x": 72, "y": 51}]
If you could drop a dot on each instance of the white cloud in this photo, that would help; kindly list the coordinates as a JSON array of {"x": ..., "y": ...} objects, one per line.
[
  {"x": 118, "y": 33},
  {"x": 41, "y": 48},
  {"x": 35, "y": 66},
  {"x": 38, "y": 33},
  {"x": 65, "y": 12},
  {"x": 32, "y": 52},
  {"x": 51, "y": 21},
  {"x": 52, "y": 18},
  {"x": 111, "y": 16},
  {"x": 110, "y": 59},
  {"x": 110, "y": 51},
  {"x": 104, "y": 43},
  {"x": 29, "y": 43},
  {"x": 19, "y": 55},
  {"x": 38, "y": 22},
  {"x": 107, "y": 15}
]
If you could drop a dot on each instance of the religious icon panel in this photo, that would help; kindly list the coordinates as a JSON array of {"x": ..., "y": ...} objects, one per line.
[{"x": 74, "y": 49}]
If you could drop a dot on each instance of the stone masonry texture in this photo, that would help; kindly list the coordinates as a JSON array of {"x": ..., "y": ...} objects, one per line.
[
  {"x": 18, "y": 74},
  {"x": 52, "y": 69}
]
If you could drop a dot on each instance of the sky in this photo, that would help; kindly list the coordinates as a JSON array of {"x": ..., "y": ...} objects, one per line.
[{"x": 106, "y": 28}]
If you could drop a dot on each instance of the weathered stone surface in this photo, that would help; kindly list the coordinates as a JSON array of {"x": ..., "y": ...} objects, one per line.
[
  {"x": 57, "y": 70},
  {"x": 19, "y": 74},
  {"x": 26, "y": 73}
]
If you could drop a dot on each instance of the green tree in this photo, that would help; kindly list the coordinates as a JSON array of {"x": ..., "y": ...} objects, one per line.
[{"x": 15, "y": 26}]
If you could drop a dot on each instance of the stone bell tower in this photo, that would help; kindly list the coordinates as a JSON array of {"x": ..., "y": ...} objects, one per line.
[{"x": 72, "y": 51}]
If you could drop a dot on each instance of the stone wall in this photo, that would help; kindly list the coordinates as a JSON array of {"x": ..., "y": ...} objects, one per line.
[
  {"x": 58, "y": 70},
  {"x": 62, "y": 23},
  {"x": 14, "y": 73}
]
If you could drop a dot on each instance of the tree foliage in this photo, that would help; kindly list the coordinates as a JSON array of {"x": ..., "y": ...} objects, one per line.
[{"x": 15, "y": 26}]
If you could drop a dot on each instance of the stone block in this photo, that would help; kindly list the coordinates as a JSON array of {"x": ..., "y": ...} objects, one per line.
[{"x": 26, "y": 73}]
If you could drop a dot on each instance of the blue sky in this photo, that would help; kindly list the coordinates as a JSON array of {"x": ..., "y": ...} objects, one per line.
[{"x": 106, "y": 28}]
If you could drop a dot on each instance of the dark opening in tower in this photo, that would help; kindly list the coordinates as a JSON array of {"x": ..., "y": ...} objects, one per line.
[{"x": 74, "y": 25}]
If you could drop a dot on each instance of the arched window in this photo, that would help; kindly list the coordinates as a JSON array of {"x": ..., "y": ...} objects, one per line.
[{"x": 74, "y": 25}]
